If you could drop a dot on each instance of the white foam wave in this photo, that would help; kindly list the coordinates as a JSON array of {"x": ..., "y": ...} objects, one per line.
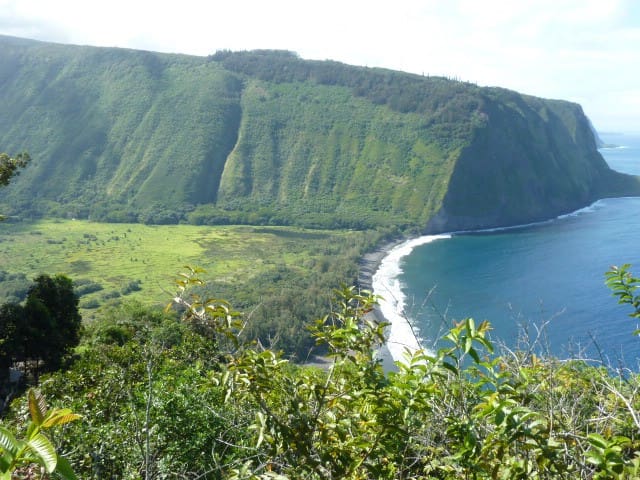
[
  {"x": 588, "y": 209},
  {"x": 401, "y": 336}
]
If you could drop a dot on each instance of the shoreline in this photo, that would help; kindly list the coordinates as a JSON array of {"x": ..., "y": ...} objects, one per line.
[
  {"x": 368, "y": 267},
  {"x": 379, "y": 274},
  {"x": 379, "y": 271}
]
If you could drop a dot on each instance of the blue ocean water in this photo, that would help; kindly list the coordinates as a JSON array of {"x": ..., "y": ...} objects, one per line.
[{"x": 544, "y": 281}]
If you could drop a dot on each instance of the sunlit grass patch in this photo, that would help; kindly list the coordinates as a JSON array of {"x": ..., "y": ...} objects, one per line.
[{"x": 141, "y": 261}]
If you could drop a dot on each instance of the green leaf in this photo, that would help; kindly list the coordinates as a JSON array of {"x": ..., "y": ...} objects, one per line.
[
  {"x": 474, "y": 355},
  {"x": 597, "y": 440},
  {"x": 594, "y": 458},
  {"x": 59, "y": 417},
  {"x": 8, "y": 442},
  {"x": 468, "y": 342},
  {"x": 37, "y": 406},
  {"x": 450, "y": 367},
  {"x": 64, "y": 470},
  {"x": 45, "y": 450},
  {"x": 471, "y": 327}
]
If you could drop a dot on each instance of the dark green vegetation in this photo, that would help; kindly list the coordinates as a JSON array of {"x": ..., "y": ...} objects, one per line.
[
  {"x": 267, "y": 138},
  {"x": 194, "y": 398},
  {"x": 282, "y": 276},
  {"x": 10, "y": 166},
  {"x": 41, "y": 333}
]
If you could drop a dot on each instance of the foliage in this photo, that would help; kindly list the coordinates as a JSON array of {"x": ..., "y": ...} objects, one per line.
[
  {"x": 10, "y": 166},
  {"x": 13, "y": 286},
  {"x": 40, "y": 334},
  {"x": 458, "y": 413},
  {"x": 52, "y": 308},
  {"x": 624, "y": 285},
  {"x": 199, "y": 399},
  {"x": 401, "y": 92},
  {"x": 282, "y": 276},
  {"x": 17, "y": 454},
  {"x": 141, "y": 383}
]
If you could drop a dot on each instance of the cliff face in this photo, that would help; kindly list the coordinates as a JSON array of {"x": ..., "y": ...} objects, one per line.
[
  {"x": 532, "y": 160},
  {"x": 124, "y": 135}
]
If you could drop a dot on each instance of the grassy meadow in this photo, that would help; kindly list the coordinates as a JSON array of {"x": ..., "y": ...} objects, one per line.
[{"x": 111, "y": 261}]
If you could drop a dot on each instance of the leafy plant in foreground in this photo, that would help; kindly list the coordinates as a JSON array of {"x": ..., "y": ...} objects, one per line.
[
  {"x": 234, "y": 409},
  {"x": 624, "y": 285},
  {"x": 460, "y": 412},
  {"x": 35, "y": 448}
]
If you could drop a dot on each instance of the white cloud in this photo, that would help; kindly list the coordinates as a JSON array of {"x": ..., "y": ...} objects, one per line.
[{"x": 583, "y": 50}]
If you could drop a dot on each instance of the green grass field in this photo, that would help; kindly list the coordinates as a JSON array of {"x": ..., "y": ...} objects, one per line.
[{"x": 112, "y": 256}]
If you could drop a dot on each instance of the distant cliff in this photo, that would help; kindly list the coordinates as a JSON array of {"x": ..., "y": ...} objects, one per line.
[
  {"x": 533, "y": 160},
  {"x": 266, "y": 137}
]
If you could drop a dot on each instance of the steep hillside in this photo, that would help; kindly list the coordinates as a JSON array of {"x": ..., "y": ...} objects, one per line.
[
  {"x": 112, "y": 130},
  {"x": 532, "y": 160},
  {"x": 265, "y": 137}
]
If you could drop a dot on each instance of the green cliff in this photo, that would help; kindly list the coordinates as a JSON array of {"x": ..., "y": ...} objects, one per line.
[
  {"x": 266, "y": 137},
  {"x": 533, "y": 159}
]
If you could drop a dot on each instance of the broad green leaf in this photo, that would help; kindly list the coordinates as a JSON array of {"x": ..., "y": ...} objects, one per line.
[
  {"x": 594, "y": 458},
  {"x": 471, "y": 327},
  {"x": 8, "y": 442},
  {"x": 45, "y": 450},
  {"x": 474, "y": 355},
  {"x": 597, "y": 440},
  {"x": 64, "y": 470},
  {"x": 37, "y": 406},
  {"x": 468, "y": 342},
  {"x": 450, "y": 367},
  {"x": 59, "y": 417}
]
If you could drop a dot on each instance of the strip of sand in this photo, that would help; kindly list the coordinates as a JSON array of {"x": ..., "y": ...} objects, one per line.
[
  {"x": 379, "y": 273},
  {"x": 369, "y": 266}
]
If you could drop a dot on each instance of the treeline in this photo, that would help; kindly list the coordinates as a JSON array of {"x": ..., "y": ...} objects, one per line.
[
  {"x": 305, "y": 215},
  {"x": 400, "y": 91}
]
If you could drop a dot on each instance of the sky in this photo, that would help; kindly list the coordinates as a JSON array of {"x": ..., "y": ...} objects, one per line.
[{"x": 586, "y": 51}]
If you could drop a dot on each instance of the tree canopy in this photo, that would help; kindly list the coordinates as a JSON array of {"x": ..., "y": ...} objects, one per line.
[
  {"x": 10, "y": 166},
  {"x": 43, "y": 331}
]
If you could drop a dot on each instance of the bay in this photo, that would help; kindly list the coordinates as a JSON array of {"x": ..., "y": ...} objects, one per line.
[{"x": 541, "y": 282}]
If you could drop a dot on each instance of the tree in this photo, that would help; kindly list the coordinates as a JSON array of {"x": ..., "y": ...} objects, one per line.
[
  {"x": 11, "y": 318},
  {"x": 9, "y": 166},
  {"x": 52, "y": 319}
]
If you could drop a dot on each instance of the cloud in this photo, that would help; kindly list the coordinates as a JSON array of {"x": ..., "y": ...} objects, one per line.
[{"x": 573, "y": 49}]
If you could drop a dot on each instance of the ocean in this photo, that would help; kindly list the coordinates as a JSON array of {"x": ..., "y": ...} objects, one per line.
[{"x": 540, "y": 285}]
